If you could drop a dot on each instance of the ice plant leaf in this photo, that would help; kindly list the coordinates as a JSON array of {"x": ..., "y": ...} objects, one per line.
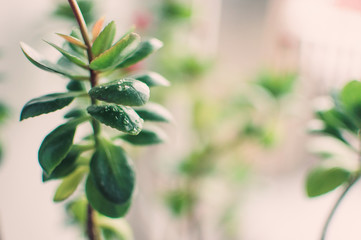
[
  {"x": 57, "y": 144},
  {"x": 103, "y": 205},
  {"x": 152, "y": 79},
  {"x": 116, "y": 54},
  {"x": 127, "y": 92},
  {"x": 71, "y": 57},
  {"x": 123, "y": 118},
  {"x": 69, "y": 184},
  {"x": 321, "y": 180},
  {"x": 112, "y": 173},
  {"x": 154, "y": 112},
  {"x": 73, "y": 40},
  {"x": 144, "y": 50},
  {"x": 48, "y": 103},
  {"x": 146, "y": 137}
]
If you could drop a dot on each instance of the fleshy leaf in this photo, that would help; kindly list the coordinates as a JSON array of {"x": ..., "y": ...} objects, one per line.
[
  {"x": 97, "y": 27},
  {"x": 321, "y": 180},
  {"x": 39, "y": 61},
  {"x": 146, "y": 137},
  {"x": 103, "y": 205},
  {"x": 112, "y": 173},
  {"x": 105, "y": 39},
  {"x": 57, "y": 144},
  {"x": 75, "y": 113},
  {"x": 116, "y": 54},
  {"x": 351, "y": 98},
  {"x": 67, "y": 165},
  {"x": 115, "y": 229},
  {"x": 73, "y": 40},
  {"x": 71, "y": 57},
  {"x": 69, "y": 184},
  {"x": 127, "y": 92},
  {"x": 123, "y": 118},
  {"x": 48, "y": 103},
  {"x": 152, "y": 79},
  {"x": 144, "y": 50},
  {"x": 154, "y": 112}
]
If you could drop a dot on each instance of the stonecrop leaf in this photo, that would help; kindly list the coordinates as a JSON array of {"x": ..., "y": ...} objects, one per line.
[
  {"x": 146, "y": 137},
  {"x": 69, "y": 184},
  {"x": 48, "y": 103},
  {"x": 57, "y": 144},
  {"x": 152, "y": 79},
  {"x": 116, "y": 54},
  {"x": 112, "y": 173},
  {"x": 351, "y": 98},
  {"x": 39, "y": 61},
  {"x": 71, "y": 57},
  {"x": 127, "y": 92},
  {"x": 321, "y": 180},
  {"x": 144, "y": 50},
  {"x": 105, "y": 39},
  {"x": 103, "y": 205},
  {"x": 154, "y": 112},
  {"x": 123, "y": 118}
]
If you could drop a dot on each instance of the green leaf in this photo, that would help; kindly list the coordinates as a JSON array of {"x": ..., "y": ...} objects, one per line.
[
  {"x": 277, "y": 84},
  {"x": 4, "y": 112},
  {"x": 103, "y": 205},
  {"x": 116, "y": 54},
  {"x": 146, "y": 137},
  {"x": 68, "y": 164},
  {"x": 127, "y": 92},
  {"x": 152, "y": 79},
  {"x": 144, "y": 50},
  {"x": 75, "y": 113},
  {"x": 48, "y": 103},
  {"x": 112, "y": 173},
  {"x": 123, "y": 118},
  {"x": 39, "y": 61},
  {"x": 105, "y": 39},
  {"x": 77, "y": 210},
  {"x": 71, "y": 57},
  {"x": 351, "y": 98},
  {"x": 75, "y": 86},
  {"x": 154, "y": 112},
  {"x": 321, "y": 180},
  {"x": 57, "y": 144},
  {"x": 69, "y": 184},
  {"x": 115, "y": 229},
  {"x": 180, "y": 202}
]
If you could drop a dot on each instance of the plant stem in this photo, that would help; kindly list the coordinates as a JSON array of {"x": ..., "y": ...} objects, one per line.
[
  {"x": 91, "y": 226},
  {"x": 339, "y": 200},
  {"x": 91, "y": 230}
]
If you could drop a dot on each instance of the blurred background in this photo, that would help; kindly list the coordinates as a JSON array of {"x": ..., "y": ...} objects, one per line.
[{"x": 245, "y": 77}]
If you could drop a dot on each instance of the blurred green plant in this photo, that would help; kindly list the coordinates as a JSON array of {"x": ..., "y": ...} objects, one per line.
[
  {"x": 223, "y": 131},
  {"x": 87, "y": 7},
  {"x": 338, "y": 118},
  {"x": 88, "y": 61}
]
